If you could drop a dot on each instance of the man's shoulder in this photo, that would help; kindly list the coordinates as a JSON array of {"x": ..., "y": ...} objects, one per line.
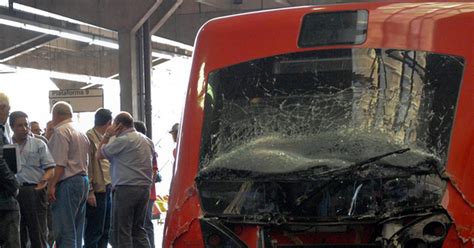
[
  {"x": 90, "y": 133},
  {"x": 37, "y": 144},
  {"x": 69, "y": 130},
  {"x": 64, "y": 129},
  {"x": 70, "y": 127},
  {"x": 147, "y": 140},
  {"x": 134, "y": 137},
  {"x": 143, "y": 137},
  {"x": 41, "y": 138}
]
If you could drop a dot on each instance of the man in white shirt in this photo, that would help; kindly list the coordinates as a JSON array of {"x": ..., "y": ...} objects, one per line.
[{"x": 37, "y": 167}]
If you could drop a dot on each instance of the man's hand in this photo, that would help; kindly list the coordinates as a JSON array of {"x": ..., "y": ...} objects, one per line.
[
  {"x": 44, "y": 180},
  {"x": 41, "y": 185},
  {"x": 51, "y": 194},
  {"x": 113, "y": 130},
  {"x": 91, "y": 199}
]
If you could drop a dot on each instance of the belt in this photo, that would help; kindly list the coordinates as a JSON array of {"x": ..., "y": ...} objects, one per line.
[
  {"x": 77, "y": 175},
  {"x": 29, "y": 184}
]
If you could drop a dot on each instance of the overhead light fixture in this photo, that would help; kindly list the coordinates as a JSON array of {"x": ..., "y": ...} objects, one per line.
[
  {"x": 84, "y": 37},
  {"x": 75, "y": 37},
  {"x": 35, "y": 11},
  {"x": 56, "y": 31},
  {"x": 100, "y": 42},
  {"x": 161, "y": 55},
  {"x": 11, "y": 23},
  {"x": 169, "y": 42}
]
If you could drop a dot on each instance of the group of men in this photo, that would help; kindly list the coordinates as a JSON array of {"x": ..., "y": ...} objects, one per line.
[{"x": 93, "y": 182}]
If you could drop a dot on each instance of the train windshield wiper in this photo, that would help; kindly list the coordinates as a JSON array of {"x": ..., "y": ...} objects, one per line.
[
  {"x": 336, "y": 173},
  {"x": 367, "y": 161}
]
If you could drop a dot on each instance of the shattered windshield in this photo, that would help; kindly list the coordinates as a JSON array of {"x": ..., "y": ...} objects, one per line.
[{"x": 326, "y": 110}]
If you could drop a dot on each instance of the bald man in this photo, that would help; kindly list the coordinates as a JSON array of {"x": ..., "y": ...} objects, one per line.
[
  {"x": 131, "y": 155},
  {"x": 4, "y": 112},
  {"x": 69, "y": 187},
  {"x": 9, "y": 209}
]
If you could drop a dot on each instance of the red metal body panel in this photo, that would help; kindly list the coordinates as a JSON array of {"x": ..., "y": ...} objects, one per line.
[{"x": 446, "y": 27}]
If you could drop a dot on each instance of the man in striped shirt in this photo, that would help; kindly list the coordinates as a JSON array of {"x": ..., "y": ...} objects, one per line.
[{"x": 69, "y": 187}]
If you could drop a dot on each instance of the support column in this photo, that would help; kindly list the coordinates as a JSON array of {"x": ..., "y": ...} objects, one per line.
[
  {"x": 147, "y": 77},
  {"x": 141, "y": 75},
  {"x": 135, "y": 74},
  {"x": 128, "y": 73}
]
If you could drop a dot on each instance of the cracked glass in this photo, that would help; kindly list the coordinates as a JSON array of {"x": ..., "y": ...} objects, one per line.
[{"x": 284, "y": 134}]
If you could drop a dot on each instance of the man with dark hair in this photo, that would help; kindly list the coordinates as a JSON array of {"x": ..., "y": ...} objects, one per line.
[
  {"x": 37, "y": 167},
  {"x": 69, "y": 187},
  {"x": 9, "y": 209},
  {"x": 35, "y": 128},
  {"x": 130, "y": 154},
  {"x": 96, "y": 234},
  {"x": 140, "y": 127},
  {"x": 37, "y": 132}
]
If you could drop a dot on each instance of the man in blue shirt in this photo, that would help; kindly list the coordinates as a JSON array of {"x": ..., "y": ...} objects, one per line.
[
  {"x": 37, "y": 167},
  {"x": 131, "y": 155}
]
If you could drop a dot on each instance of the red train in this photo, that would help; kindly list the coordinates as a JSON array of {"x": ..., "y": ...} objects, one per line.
[{"x": 329, "y": 126}]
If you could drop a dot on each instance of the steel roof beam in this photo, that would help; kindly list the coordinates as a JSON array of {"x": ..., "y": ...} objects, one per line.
[{"x": 25, "y": 47}]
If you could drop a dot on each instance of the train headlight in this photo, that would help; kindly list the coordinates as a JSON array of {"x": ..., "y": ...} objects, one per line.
[
  {"x": 422, "y": 232},
  {"x": 216, "y": 234}
]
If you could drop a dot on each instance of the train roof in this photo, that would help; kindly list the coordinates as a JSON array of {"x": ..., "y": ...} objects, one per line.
[{"x": 411, "y": 25}]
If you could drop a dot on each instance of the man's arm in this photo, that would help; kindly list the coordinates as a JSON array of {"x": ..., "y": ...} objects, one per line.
[
  {"x": 91, "y": 200},
  {"x": 47, "y": 176},
  {"x": 98, "y": 154},
  {"x": 111, "y": 131},
  {"x": 59, "y": 149},
  {"x": 91, "y": 157},
  {"x": 47, "y": 163},
  {"x": 58, "y": 173}
]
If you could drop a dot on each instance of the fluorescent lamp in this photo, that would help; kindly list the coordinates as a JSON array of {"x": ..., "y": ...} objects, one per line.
[
  {"x": 41, "y": 29},
  {"x": 11, "y": 23},
  {"x": 87, "y": 38},
  {"x": 165, "y": 41},
  {"x": 39, "y": 12},
  {"x": 76, "y": 37},
  {"x": 56, "y": 31},
  {"x": 161, "y": 55},
  {"x": 104, "y": 43}
]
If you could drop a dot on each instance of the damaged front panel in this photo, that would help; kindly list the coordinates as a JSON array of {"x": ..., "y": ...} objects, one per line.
[{"x": 298, "y": 138}]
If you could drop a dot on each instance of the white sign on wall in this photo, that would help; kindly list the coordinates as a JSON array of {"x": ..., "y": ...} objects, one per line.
[{"x": 88, "y": 100}]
